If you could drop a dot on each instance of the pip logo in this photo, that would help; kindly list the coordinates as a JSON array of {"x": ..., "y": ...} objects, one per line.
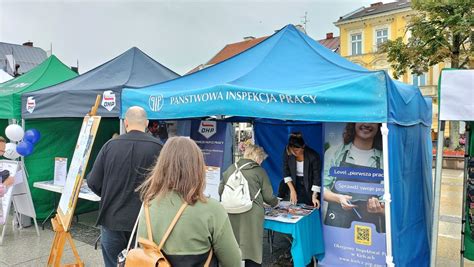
[
  {"x": 155, "y": 102},
  {"x": 207, "y": 128}
]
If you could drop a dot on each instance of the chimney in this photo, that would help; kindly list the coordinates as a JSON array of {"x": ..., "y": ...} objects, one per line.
[
  {"x": 29, "y": 43},
  {"x": 376, "y": 4},
  {"x": 329, "y": 35},
  {"x": 248, "y": 38},
  {"x": 75, "y": 69}
]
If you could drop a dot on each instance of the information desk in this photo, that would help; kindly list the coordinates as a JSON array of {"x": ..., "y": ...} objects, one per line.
[
  {"x": 85, "y": 192},
  {"x": 307, "y": 236}
]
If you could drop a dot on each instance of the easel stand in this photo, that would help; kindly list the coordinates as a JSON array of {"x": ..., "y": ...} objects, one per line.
[
  {"x": 57, "y": 248},
  {"x": 62, "y": 221}
]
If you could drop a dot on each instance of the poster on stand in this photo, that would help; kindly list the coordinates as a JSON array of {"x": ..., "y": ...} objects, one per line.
[
  {"x": 6, "y": 195},
  {"x": 353, "y": 208},
  {"x": 213, "y": 179},
  {"x": 210, "y": 137},
  {"x": 60, "y": 171}
]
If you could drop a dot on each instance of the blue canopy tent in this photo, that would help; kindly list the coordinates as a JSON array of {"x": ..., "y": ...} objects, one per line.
[{"x": 291, "y": 77}]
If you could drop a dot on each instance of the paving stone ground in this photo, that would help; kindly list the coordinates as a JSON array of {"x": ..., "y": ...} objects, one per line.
[{"x": 24, "y": 248}]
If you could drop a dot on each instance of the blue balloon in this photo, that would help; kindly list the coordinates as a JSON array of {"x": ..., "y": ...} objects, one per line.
[
  {"x": 32, "y": 136},
  {"x": 24, "y": 148}
]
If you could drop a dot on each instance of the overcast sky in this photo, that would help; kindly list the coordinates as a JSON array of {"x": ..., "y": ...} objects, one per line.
[{"x": 178, "y": 34}]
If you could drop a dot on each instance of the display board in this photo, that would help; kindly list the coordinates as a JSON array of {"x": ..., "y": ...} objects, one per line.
[
  {"x": 19, "y": 194},
  {"x": 12, "y": 167},
  {"x": 76, "y": 172},
  {"x": 354, "y": 217}
]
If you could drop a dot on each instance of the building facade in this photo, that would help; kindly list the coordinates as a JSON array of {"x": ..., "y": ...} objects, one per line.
[{"x": 363, "y": 30}]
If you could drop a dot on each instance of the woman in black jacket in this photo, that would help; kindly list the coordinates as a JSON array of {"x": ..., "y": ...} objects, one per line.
[{"x": 302, "y": 171}]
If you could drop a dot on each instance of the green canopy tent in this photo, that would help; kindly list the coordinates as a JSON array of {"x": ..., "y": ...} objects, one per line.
[{"x": 50, "y": 72}]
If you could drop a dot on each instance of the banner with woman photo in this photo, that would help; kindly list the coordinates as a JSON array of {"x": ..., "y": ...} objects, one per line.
[{"x": 354, "y": 211}]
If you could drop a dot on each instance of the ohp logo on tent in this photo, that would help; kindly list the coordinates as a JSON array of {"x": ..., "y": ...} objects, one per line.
[
  {"x": 207, "y": 128},
  {"x": 108, "y": 100},
  {"x": 156, "y": 102},
  {"x": 30, "y": 104}
]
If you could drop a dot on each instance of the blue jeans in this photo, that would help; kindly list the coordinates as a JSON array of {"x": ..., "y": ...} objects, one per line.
[{"x": 112, "y": 243}]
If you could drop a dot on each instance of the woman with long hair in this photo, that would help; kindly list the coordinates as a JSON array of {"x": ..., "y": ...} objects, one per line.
[{"x": 177, "y": 178}]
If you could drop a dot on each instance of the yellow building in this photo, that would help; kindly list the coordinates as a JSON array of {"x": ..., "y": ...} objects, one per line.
[{"x": 363, "y": 30}]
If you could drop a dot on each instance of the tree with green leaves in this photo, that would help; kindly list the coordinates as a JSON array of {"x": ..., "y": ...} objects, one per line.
[{"x": 439, "y": 31}]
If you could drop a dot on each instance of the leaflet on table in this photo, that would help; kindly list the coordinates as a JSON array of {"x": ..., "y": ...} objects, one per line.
[{"x": 288, "y": 213}]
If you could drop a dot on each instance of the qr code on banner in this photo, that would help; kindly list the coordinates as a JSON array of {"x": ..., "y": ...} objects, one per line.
[{"x": 363, "y": 235}]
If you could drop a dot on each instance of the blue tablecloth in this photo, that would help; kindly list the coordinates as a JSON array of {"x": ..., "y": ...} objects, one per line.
[{"x": 307, "y": 236}]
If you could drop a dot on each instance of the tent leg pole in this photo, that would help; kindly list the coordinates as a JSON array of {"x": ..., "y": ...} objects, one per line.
[
  {"x": 464, "y": 192},
  {"x": 122, "y": 130},
  {"x": 387, "y": 196},
  {"x": 437, "y": 192}
]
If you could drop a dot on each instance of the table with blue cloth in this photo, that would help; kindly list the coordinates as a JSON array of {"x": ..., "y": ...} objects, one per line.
[{"x": 307, "y": 237}]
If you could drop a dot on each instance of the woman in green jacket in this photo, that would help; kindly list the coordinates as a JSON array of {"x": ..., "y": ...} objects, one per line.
[
  {"x": 178, "y": 177},
  {"x": 248, "y": 226}
]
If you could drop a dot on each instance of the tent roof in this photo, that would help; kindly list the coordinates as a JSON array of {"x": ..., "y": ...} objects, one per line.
[
  {"x": 74, "y": 98},
  {"x": 4, "y": 76},
  {"x": 287, "y": 76},
  {"x": 52, "y": 71}
]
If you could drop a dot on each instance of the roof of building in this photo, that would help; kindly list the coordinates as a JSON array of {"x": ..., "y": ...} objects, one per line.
[
  {"x": 375, "y": 8},
  {"x": 233, "y": 49},
  {"x": 331, "y": 43},
  {"x": 27, "y": 57}
]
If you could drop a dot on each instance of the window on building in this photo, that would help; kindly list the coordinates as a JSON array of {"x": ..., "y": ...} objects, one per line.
[
  {"x": 356, "y": 44},
  {"x": 419, "y": 80},
  {"x": 381, "y": 36}
]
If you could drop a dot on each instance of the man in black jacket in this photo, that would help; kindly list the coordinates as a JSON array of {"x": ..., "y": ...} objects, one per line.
[{"x": 120, "y": 167}]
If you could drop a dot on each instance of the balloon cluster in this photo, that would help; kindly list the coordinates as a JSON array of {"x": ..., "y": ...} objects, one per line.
[{"x": 26, "y": 140}]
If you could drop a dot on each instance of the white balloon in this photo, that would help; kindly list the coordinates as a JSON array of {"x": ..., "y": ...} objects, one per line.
[
  {"x": 10, "y": 151},
  {"x": 14, "y": 132}
]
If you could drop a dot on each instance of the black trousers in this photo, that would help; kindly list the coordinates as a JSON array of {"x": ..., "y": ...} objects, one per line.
[{"x": 251, "y": 263}]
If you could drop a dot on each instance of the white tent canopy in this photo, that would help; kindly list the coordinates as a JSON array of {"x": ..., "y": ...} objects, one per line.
[
  {"x": 457, "y": 95},
  {"x": 456, "y": 103},
  {"x": 4, "y": 76}
]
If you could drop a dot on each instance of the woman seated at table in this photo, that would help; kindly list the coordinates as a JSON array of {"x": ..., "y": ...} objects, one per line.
[
  {"x": 302, "y": 171},
  {"x": 248, "y": 226}
]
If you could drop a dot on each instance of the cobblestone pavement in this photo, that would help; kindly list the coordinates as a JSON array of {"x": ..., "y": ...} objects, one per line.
[{"x": 24, "y": 248}]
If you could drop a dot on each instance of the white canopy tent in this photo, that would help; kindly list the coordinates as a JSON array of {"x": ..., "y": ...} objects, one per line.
[
  {"x": 456, "y": 103},
  {"x": 4, "y": 76}
]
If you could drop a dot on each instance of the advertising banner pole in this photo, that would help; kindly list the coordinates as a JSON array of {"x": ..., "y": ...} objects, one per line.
[
  {"x": 437, "y": 192},
  {"x": 387, "y": 196}
]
